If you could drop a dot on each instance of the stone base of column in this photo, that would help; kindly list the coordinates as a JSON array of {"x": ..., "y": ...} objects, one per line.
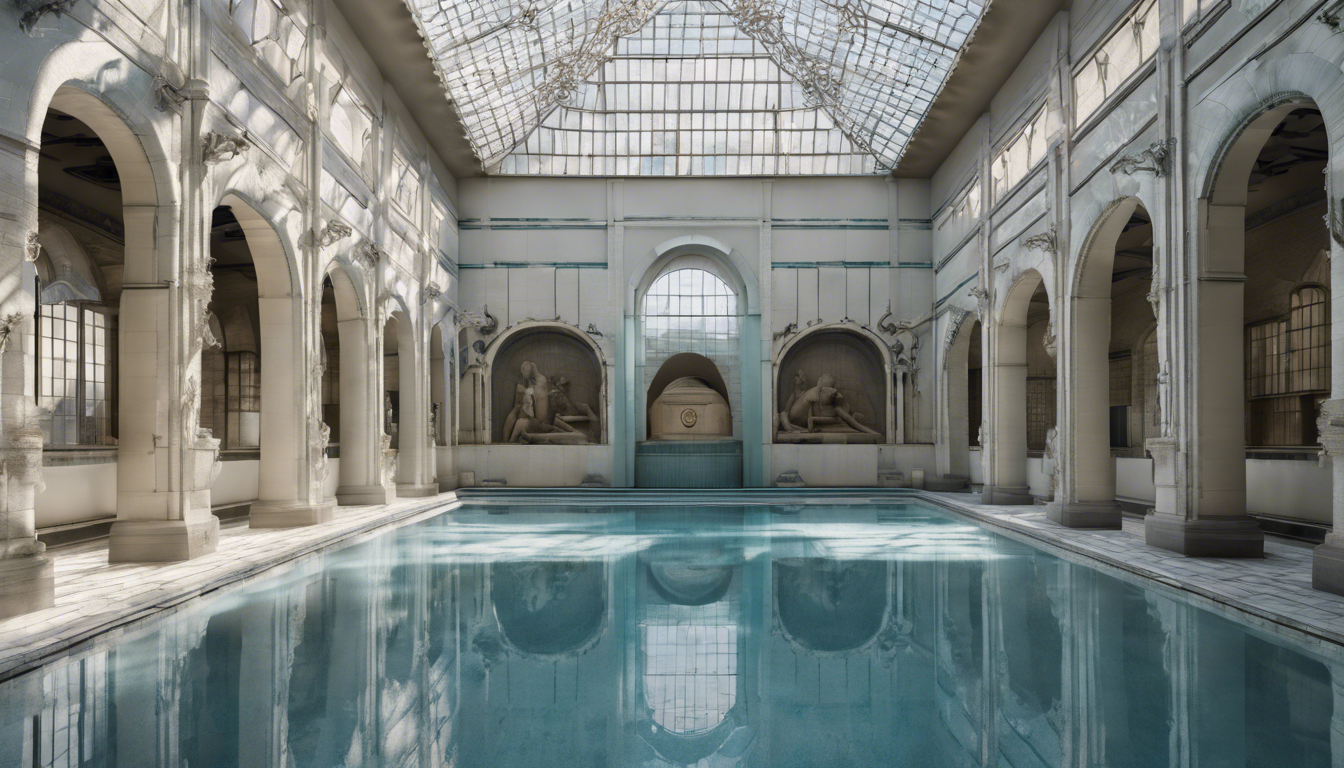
[
  {"x": 1085, "y": 514},
  {"x": 414, "y": 490},
  {"x": 26, "y": 585},
  {"x": 365, "y": 495},
  {"x": 1003, "y": 495},
  {"x": 290, "y": 514},
  {"x": 163, "y": 541},
  {"x": 1234, "y": 537},
  {"x": 1327, "y": 565}
]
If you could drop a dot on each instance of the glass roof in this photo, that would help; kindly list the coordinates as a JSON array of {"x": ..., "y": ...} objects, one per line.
[{"x": 693, "y": 87}]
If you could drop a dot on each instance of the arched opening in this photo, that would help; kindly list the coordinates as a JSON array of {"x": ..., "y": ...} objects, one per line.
[
  {"x": 1022, "y": 393},
  {"x": 688, "y": 400},
  {"x": 549, "y": 608},
  {"x": 1263, "y": 320},
  {"x": 77, "y": 281},
  {"x": 832, "y": 387},
  {"x": 546, "y": 388},
  {"x": 962, "y": 390},
  {"x": 1112, "y": 316},
  {"x": 266, "y": 432},
  {"x": 831, "y": 606},
  {"x": 346, "y": 387},
  {"x": 405, "y": 405}
]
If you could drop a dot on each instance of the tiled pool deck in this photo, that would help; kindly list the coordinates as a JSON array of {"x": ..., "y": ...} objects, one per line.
[{"x": 95, "y": 600}]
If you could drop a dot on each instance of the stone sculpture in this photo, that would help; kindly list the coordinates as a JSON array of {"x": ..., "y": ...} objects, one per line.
[
  {"x": 819, "y": 414},
  {"x": 544, "y": 413}
]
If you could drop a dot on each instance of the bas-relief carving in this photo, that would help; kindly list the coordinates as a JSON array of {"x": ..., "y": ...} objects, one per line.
[
  {"x": 546, "y": 389},
  {"x": 34, "y": 11},
  {"x": 218, "y": 148},
  {"x": 688, "y": 409},
  {"x": 846, "y": 402}
]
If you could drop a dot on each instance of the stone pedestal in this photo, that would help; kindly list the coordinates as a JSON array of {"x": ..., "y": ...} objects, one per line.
[
  {"x": 1085, "y": 514},
  {"x": 1006, "y": 495},
  {"x": 1208, "y": 537},
  {"x": 365, "y": 495},
  {"x": 163, "y": 541},
  {"x": 288, "y": 514},
  {"x": 1327, "y": 565},
  {"x": 26, "y": 585}
]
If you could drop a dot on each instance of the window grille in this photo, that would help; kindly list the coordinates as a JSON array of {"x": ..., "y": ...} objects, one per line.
[
  {"x": 690, "y": 310},
  {"x": 1288, "y": 371},
  {"x": 1131, "y": 45},
  {"x": 1040, "y": 410},
  {"x": 73, "y": 384},
  {"x": 276, "y": 33},
  {"x": 350, "y": 126},
  {"x": 406, "y": 188}
]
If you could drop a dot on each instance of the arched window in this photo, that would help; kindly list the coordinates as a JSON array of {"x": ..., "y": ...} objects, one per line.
[
  {"x": 1288, "y": 371},
  {"x": 691, "y": 307}
]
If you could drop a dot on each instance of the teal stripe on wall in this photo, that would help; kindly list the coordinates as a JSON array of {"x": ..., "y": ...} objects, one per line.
[{"x": 527, "y": 264}]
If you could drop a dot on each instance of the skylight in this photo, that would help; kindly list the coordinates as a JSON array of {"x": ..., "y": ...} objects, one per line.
[{"x": 693, "y": 87}]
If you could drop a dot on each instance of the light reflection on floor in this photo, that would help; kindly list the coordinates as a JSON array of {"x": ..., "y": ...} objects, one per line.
[{"x": 657, "y": 636}]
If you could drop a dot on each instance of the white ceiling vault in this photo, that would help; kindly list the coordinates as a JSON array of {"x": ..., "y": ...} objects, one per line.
[{"x": 693, "y": 87}]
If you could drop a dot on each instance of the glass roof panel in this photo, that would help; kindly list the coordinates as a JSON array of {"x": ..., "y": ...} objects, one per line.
[{"x": 693, "y": 87}]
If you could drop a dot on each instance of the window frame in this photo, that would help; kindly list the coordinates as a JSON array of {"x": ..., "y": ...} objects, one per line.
[{"x": 85, "y": 423}]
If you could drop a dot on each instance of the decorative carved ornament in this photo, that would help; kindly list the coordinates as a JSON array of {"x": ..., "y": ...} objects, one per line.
[
  {"x": 592, "y": 330},
  {"x": 220, "y": 148},
  {"x": 1334, "y": 221},
  {"x": 8, "y": 326},
  {"x": 333, "y": 232},
  {"x": 367, "y": 255},
  {"x": 1155, "y": 294},
  {"x": 959, "y": 316},
  {"x": 431, "y": 292},
  {"x": 1050, "y": 341},
  {"x": 1332, "y": 17},
  {"x": 1047, "y": 241},
  {"x": 1156, "y": 159},
  {"x": 789, "y": 330},
  {"x": 31, "y": 248},
  {"x": 166, "y": 95},
  {"x": 34, "y": 11}
]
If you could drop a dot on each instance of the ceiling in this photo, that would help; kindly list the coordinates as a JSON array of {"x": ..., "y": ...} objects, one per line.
[{"x": 879, "y": 120}]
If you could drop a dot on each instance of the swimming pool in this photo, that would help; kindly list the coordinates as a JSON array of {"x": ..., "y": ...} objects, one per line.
[{"x": 807, "y": 635}]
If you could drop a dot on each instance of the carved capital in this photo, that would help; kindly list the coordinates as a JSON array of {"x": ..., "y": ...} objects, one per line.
[
  {"x": 333, "y": 232},
  {"x": 367, "y": 255},
  {"x": 220, "y": 148},
  {"x": 1050, "y": 341},
  {"x": 592, "y": 331}
]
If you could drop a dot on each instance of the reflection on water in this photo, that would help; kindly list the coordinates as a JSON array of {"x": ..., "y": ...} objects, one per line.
[{"x": 743, "y": 636}]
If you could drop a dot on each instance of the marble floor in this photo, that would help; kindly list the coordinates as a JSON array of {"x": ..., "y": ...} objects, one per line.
[{"x": 96, "y": 600}]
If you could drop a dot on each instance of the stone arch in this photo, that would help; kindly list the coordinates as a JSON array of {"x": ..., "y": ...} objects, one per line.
[
  {"x": 1006, "y": 455},
  {"x": 955, "y": 384},
  {"x": 870, "y": 356},
  {"x": 565, "y": 349},
  {"x": 358, "y": 472},
  {"x": 1085, "y": 496},
  {"x": 732, "y": 265}
]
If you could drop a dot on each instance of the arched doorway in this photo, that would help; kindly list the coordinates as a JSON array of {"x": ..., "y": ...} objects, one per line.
[
  {"x": 251, "y": 270},
  {"x": 348, "y": 390},
  {"x": 1264, "y": 320},
  {"x": 405, "y": 416},
  {"x": 1022, "y": 392},
  {"x": 962, "y": 391},
  {"x": 1110, "y": 310}
]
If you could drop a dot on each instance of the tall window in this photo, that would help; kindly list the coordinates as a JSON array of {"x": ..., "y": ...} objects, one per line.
[
  {"x": 243, "y": 382},
  {"x": 277, "y": 34},
  {"x": 1131, "y": 45},
  {"x": 72, "y": 379},
  {"x": 1019, "y": 157},
  {"x": 1288, "y": 371}
]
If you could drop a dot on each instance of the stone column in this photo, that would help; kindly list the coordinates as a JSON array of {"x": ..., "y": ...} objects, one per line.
[
  {"x": 1006, "y": 438},
  {"x": 1327, "y": 569},
  {"x": 1216, "y": 525},
  {"x": 415, "y": 456},
  {"x": 1085, "y": 492},
  {"x": 284, "y": 497},
  {"x": 165, "y": 466},
  {"x": 361, "y": 456},
  {"x": 26, "y": 582}
]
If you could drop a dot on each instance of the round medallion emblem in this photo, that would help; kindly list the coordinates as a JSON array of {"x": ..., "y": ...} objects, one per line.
[{"x": 688, "y": 417}]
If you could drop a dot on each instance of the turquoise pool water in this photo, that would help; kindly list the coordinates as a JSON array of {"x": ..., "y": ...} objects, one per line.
[{"x": 809, "y": 635}]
